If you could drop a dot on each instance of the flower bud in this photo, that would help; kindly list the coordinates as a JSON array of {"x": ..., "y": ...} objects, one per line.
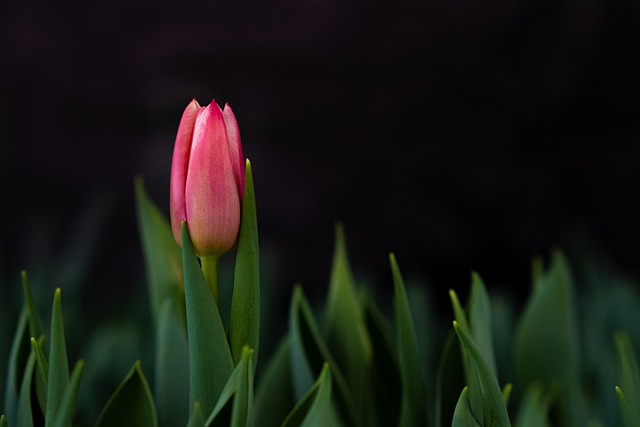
[{"x": 207, "y": 178}]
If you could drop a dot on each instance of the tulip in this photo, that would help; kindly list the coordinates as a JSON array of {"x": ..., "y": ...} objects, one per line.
[{"x": 207, "y": 178}]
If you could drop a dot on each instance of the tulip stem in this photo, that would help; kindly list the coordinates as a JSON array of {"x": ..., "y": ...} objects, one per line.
[{"x": 210, "y": 270}]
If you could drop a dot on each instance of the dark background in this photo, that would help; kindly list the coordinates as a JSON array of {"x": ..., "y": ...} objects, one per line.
[{"x": 459, "y": 134}]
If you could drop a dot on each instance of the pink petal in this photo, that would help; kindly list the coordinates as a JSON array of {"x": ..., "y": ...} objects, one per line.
[
  {"x": 212, "y": 199},
  {"x": 235, "y": 148},
  {"x": 179, "y": 166}
]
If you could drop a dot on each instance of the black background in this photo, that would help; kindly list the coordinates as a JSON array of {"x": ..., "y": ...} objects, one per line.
[{"x": 459, "y": 134}]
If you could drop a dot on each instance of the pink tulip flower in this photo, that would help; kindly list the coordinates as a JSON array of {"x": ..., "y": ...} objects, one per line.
[{"x": 207, "y": 178}]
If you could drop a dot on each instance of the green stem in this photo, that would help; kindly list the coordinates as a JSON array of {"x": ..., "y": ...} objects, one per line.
[{"x": 210, "y": 270}]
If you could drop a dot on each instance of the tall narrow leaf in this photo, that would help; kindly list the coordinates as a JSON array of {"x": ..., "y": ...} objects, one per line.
[
  {"x": 274, "y": 395},
  {"x": 43, "y": 365},
  {"x": 131, "y": 405},
  {"x": 171, "y": 366},
  {"x": 315, "y": 408},
  {"x": 385, "y": 371},
  {"x": 413, "y": 406},
  {"x": 244, "y": 320},
  {"x": 547, "y": 345},
  {"x": 35, "y": 323},
  {"x": 308, "y": 355},
  {"x": 210, "y": 361},
  {"x": 161, "y": 253},
  {"x": 480, "y": 320},
  {"x": 474, "y": 394},
  {"x": 15, "y": 365},
  {"x": 240, "y": 388},
  {"x": 24, "y": 417},
  {"x": 345, "y": 330},
  {"x": 58, "y": 365},
  {"x": 68, "y": 404},
  {"x": 493, "y": 407}
]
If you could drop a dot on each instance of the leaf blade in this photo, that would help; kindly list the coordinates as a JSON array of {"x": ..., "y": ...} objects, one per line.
[
  {"x": 244, "y": 319},
  {"x": 131, "y": 404},
  {"x": 210, "y": 360}
]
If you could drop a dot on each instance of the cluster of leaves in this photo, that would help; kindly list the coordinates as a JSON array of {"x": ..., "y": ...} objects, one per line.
[{"x": 561, "y": 360}]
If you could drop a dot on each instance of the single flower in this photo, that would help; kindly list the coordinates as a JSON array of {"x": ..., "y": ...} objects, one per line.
[{"x": 207, "y": 178}]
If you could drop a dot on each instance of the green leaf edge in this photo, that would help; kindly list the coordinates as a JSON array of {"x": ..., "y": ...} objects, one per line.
[
  {"x": 494, "y": 409},
  {"x": 244, "y": 317},
  {"x": 210, "y": 360},
  {"x": 412, "y": 408},
  {"x": 136, "y": 370},
  {"x": 58, "y": 378}
]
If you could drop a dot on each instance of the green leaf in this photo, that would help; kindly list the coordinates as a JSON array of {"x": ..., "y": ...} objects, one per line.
[
  {"x": 58, "y": 379},
  {"x": 493, "y": 408},
  {"x": 470, "y": 376},
  {"x": 197, "y": 419},
  {"x": 412, "y": 410},
  {"x": 629, "y": 379},
  {"x": 43, "y": 365},
  {"x": 43, "y": 368},
  {"x": 67, "y": 408},
  {"x": 480, "y": 320},
  {"x": 479, "y": 327},
  {"x": 3, "y": 421},
  {"x": 24, "y": 417},
  {"x": 274, "y": 395},
  {"x": 17, "y": 354},
  {"x": 445, "y": 381},
  {"x": 463, "y": 415},
  {"x": 171, "y": 366},
  {"x": 161, "y": 253},
  {"x": 308, "y": 355},
  {"x": 244, "y": 318},
  {"x": 345, "y": 330},
  {"x": 35, "y": 323},
  {"x": 240, "y": 388},
  {"x": 534, "y": 408},
  {"x": 547, "y": 346},
  {"x": 385, "y": 371},
  {"x": 315, "y": 408},
  {"x": 210, "y": 361},
  {"x": 131, "y": 405}
]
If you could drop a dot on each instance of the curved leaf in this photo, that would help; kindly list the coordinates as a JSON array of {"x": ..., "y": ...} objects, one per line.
[
  {"x": 308, "y": 355},
  {"x": 17, "y": 354},
  {"x": 68, "y": 405},
  {"x": 24, "y": 417},
  {"x": 240, "y": 388},
  {"x": 315, "y": 408},
  {"x": 35, "y": 323},
  {"x": 463, "y": 415},
  {"x": 412, "y": 410},
  {"x": 131, "y": 405},
  {"x": 493, "y": 407},
  {"x": 274, "y": 395}
]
